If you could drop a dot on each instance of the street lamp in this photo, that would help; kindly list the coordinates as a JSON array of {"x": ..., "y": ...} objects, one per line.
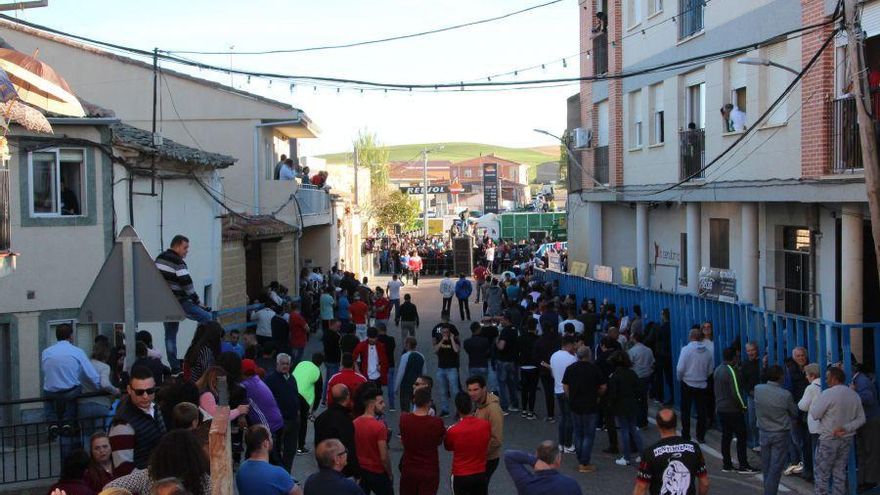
[{"x": 766, "y": 62}]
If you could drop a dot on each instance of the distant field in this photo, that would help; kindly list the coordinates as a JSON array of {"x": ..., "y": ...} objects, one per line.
[{"x": 456, "y": 152}]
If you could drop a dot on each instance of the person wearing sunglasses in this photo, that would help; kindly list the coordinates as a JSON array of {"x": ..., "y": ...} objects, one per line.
[{"x": 138, "y": 425}]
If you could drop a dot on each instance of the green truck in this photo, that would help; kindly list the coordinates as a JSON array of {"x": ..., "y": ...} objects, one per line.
[{"x": 524, "y": 226}]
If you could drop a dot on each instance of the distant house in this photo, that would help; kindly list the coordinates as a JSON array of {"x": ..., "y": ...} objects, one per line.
[{"x": 547, "y": 172}]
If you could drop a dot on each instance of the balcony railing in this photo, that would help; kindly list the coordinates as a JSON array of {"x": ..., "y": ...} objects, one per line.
[
  {"x": 600, "y": 164},
  {"x": 846, "y": 146},
  {"x": 692, "y": 153},
  {"x": 690, "y": 17},
  {"x": 5, "y": 243},
  {"x": 600, "y": 54},
  {"x": 312, "y": 200}
]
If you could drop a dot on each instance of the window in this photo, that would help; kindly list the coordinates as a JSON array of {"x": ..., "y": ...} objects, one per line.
[
  {"x": 468, "y": 173},
  {"x": 635, "y": 110},
  {"x": 634, "y": 9},
  {"x": 690, "y": 13},
  {"x": 683, "y": 248},
  {"x": 733, "y": 113},
  {"x": 719, "y": 243},
  {"x": 57, "y": 180},
  {"x": 656, "y": 105},
  {"x": 602, "y": 137},
  {"x": 655, "y": 6},
  {"x": 776, "y": 80},
  {"x": 695, "y": 106},
  {"x": 83, "y": 334}
]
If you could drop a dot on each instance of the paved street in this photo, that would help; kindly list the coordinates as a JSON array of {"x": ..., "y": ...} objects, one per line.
[{"x": 524, "y": 434}]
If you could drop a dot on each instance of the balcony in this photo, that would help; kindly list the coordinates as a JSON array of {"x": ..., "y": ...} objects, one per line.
[
  {"x": 600, "y": 165},
  {"x": 846, "y": 147},
  {"x": 690, "y": 20},
  {"x": 692, "y": 153},
  {"x": 312, "y": 200},
  {"x": 600, "y": 54}
]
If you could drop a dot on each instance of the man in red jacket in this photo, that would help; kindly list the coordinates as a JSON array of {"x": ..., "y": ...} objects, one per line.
[
  {"x": 373, "y": 358},
  {"x": 346, "y": 376},
  {"x": 359, "y": 314},
  {"x": 299, "y": 334}
]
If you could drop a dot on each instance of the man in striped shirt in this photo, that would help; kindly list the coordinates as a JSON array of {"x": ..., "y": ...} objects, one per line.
[{"x": 172, "y": 267}]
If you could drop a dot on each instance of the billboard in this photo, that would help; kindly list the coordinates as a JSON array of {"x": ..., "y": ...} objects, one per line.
[{"x": 491, "y": 188}]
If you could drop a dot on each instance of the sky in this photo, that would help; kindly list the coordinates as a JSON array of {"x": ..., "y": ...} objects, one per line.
[{"x": 507, "y": 118}]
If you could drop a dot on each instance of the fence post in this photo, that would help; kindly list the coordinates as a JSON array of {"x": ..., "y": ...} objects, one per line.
[{"x": 220, "y": 444}]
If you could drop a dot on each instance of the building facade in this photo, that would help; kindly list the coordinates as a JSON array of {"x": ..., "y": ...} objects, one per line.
[{"x": 713, "y": 164}]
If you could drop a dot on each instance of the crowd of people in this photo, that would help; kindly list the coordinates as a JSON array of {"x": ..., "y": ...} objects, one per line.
[{"x": 598, "y": 367}]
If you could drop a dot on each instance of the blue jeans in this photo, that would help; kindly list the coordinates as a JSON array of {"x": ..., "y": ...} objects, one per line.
[
  {"x": 193, "y": 312},
  {"x": 752, "y": 424},
  {"x": 565, "y": 426},
  {"x": 492, "y": 379},
  {"x": 584, "y": 435},
  {"x": 484, "y": 372},
  {"x": 330, "y": 369},
  {"x": 390, "y": 387},
  {"x": 507, "y": 384},
  {"x": 395, "y": 303},
  {"x": 629, "y": 432},
  {"x": 795, "y": 447},
  {"x": 774, "y": 453},
  {"x": 447, "y": 380}
]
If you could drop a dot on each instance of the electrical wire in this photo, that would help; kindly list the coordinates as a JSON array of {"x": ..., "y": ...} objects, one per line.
[
  {"x": 371, "y": 42},
  {"x": 436, "y": 86}
]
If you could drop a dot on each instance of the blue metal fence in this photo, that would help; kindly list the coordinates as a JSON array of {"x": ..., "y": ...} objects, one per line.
[{"x": 776, "y": 334}]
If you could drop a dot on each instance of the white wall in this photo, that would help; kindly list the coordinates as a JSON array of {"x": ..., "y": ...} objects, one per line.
[
  {"x": 185, "y": 209},
  {"x": 618, "y": 237},
  {"x": 665, "y": 225}
]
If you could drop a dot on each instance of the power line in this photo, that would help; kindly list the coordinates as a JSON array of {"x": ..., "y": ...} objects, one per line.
[
  {"x": 372, "y": 42},
  {"x": 435, "y": 86}
]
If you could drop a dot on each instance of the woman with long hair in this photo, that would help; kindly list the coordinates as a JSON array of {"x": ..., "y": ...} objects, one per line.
[
  {"x": 208, "y": 394},
  {"x": 95, "y": 409},
  {"x": 100, "y": 470},
  {"x": 203, "y": 351}
]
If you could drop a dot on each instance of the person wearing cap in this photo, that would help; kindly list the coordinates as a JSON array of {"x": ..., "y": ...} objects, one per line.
[
  {"x": 359, "y": 313},
  {"x": 373, "y": 358},
  {"x": 264, "y": 408}
]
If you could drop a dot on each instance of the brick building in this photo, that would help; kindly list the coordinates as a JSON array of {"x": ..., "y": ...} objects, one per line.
[{"x": 785, "y": 210}]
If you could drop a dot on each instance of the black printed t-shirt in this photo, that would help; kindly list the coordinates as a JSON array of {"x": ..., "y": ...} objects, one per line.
[{"x": 672, "y": 467}]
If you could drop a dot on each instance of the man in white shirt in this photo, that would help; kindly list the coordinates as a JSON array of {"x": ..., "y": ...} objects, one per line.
[
  {"x": 393, "y": 289},
  {"x": 447, "y": 290},
  {"x": 264, "y": 323},
  {"x": 287, "y": 172},
  {"x": 559, "y": 361},
  {"x": 578, "y": 325}
]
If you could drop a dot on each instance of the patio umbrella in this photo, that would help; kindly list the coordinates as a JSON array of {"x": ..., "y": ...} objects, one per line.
[
  {"x": 38, "y": 84},
  {"x": 28, "y": 117}
]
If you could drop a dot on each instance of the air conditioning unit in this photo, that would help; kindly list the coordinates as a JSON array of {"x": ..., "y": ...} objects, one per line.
[{"x": 583, "y": 138}]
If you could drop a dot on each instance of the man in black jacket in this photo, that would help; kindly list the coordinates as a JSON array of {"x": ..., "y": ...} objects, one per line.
[
  {"x": 176, "y": 274},
  {"x": 336, "y": 422},
  {"x": 409, "y": 315},
  {"x": 286, "y": 393}
]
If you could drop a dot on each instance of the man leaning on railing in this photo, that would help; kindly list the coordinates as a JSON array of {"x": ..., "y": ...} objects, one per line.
[{"x": 65, "y": 366}]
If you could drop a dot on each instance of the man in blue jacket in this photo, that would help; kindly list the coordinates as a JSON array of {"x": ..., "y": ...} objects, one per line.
[
  {"x": 539, "y": 474},
  {"x": 463, "y": 290}
]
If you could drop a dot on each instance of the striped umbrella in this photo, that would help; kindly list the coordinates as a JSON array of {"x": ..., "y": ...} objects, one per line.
[{"x": 38, "y": 84}]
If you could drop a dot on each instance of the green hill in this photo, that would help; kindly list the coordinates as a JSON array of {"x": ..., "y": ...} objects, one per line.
[{"x": 457, "y": 152}]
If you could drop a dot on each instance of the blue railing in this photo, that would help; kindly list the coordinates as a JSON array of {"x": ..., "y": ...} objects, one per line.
[
  {"x": 232, "y": 311},
  {"x": 776, "y": 334}
]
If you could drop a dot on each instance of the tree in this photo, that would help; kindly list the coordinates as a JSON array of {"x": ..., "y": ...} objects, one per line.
[
  {"x": 397, "y": 208},
  {"x": 373, "y": 155},
  {"x": 563, "y": 158}
]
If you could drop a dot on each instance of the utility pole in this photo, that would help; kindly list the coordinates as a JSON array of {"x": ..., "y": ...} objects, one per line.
[
  {"x": 867, "y": 136},
  {"x": 425, "y": 191}
]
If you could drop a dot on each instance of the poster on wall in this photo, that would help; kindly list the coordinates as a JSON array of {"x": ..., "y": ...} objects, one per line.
[
  {"x": 578, "y": 268},
  {"x": 554, "y": 261},
  {"x": 628, "y": 275},
  {"x": 491, "y": 189},
  {"x": 717, "y": 284},
  {"x": 603, "y": 273}
]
